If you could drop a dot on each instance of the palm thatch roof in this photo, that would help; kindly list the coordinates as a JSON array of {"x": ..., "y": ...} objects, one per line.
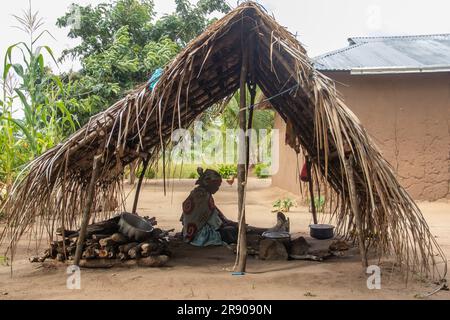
[{"x": 53, "y": 187}]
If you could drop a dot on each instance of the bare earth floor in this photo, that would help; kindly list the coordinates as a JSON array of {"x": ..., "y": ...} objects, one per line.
[{"x": 203, "y": 273}]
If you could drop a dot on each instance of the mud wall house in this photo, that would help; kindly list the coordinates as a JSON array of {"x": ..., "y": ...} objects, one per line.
[{"x": 399, "y": 87}]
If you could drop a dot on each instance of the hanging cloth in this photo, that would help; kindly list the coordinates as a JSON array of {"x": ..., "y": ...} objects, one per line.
[
  {"x": 154, "y": 79},
  {"x": 304, "y": 173},
  {"x": 291, "y": 138}
]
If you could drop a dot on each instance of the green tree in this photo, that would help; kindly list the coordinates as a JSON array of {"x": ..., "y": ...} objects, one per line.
[
  {"x": 188, "y": 21},
  {"x": 121, "y": 45},
  {"x": 97, "y": 26}
]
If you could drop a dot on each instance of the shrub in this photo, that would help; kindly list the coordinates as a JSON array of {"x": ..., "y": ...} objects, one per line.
[
  {"x": 227, "y": 170},
  {"x": 149, "y": 173},
  {"x": 262, "y": 170},
  {"x": 193, "y": 175},
  {"x": 283, "y": 205},
  {"x": 319, "y": 203}
]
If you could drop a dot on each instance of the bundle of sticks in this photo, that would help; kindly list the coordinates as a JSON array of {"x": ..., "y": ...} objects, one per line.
[{"x": 104, "y": 241}]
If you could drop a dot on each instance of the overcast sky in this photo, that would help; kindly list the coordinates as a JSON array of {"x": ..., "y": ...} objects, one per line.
[{"x": 321, "y": 25}]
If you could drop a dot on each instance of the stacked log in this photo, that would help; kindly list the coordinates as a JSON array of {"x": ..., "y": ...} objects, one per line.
[{"x": 105, "y": 242}]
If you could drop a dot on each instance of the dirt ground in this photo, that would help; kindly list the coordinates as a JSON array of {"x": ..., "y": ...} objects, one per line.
[{"x": 203, "y": 273}]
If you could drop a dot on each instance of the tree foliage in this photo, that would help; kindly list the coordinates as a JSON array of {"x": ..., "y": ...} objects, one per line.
[
  {"x": 34, "y": 115},
  {"x": 97, "y": 26},
  {"x": 122, "y": 44}
]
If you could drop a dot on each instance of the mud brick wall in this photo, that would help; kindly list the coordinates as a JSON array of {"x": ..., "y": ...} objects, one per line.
[{"x": 408, "y": 117}]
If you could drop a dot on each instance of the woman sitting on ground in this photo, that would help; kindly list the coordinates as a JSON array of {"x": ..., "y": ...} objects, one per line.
[{"x": 204, "y": 224}]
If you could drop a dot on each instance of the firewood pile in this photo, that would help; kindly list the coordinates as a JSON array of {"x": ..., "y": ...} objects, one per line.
[{"x": 106, "y": 246}]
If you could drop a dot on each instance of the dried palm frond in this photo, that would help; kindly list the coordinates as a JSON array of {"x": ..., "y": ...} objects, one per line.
[{"x": 53, "y": 187}]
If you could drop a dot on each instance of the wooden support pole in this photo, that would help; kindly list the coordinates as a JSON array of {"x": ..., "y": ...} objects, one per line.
[
  {"x": 251, "y": 84},
  {"x": 242, "y": 234},
  {"x": 138, "y": 188},
  {"x": 311, "y": 189},
  {"x": 132, "y": 173},
  {"x": 87, "y": 210},
  {"x": 252, "y": 89},
  {"x": 356, "y": 211}
]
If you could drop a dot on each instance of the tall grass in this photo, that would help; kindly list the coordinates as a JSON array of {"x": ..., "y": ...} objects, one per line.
[{"x": 33, "y": 113}]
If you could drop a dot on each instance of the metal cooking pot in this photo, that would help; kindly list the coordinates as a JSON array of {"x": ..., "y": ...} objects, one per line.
[
  {"x": 321, "y": 231},
  {"x": 282, "y": 236},
  {"x": 134, "y": 227}
]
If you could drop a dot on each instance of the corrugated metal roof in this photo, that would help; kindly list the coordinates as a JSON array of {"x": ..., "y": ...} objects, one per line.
[{"x": 423, "y": 51}]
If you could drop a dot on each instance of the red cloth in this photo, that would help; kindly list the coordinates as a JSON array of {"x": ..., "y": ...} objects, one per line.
[{"x": 304, "y": 173}]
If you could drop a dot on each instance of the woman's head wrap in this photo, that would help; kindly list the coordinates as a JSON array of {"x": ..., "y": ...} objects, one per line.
[{"x": 208, "y": 177}]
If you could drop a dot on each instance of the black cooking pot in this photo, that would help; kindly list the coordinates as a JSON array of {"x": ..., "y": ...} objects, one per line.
[{"x": 321, "y": 231}]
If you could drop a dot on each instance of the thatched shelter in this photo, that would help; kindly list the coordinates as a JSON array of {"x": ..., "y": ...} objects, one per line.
[{"x": 53, "y": 188}]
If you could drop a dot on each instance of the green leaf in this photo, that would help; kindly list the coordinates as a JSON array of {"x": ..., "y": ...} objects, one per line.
[
  {"x": 26, "y": 105},
  {"x": 24, "y": 130},
  {"x": 41, "y": 34},
  {"x": 6, "y": 70},
  {"x": 50, "y": 52},
  {"x": 40, "y": 60},
  {"x": 8, "y": 52},
  {"x": 58, "y": 82},
  {"x": 68, "y": 116},
  {"x": 18, "y": 69},
  {"x": 10, "y": 48}
]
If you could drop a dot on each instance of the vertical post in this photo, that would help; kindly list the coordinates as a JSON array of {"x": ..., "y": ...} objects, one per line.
[
  {"x": 242, "y": 234},
  {"x": 87, "y": 210},
  {"x": 252, "y": 89},
  {"x": 356, "y": 210},
  {"x": 311, "y": 189},
  {"x": 132, "y": 172},
  {"x": 138, "y": 188},
  {"x": 63, "y": 224},
  {"x": 64, "y": 199}
]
